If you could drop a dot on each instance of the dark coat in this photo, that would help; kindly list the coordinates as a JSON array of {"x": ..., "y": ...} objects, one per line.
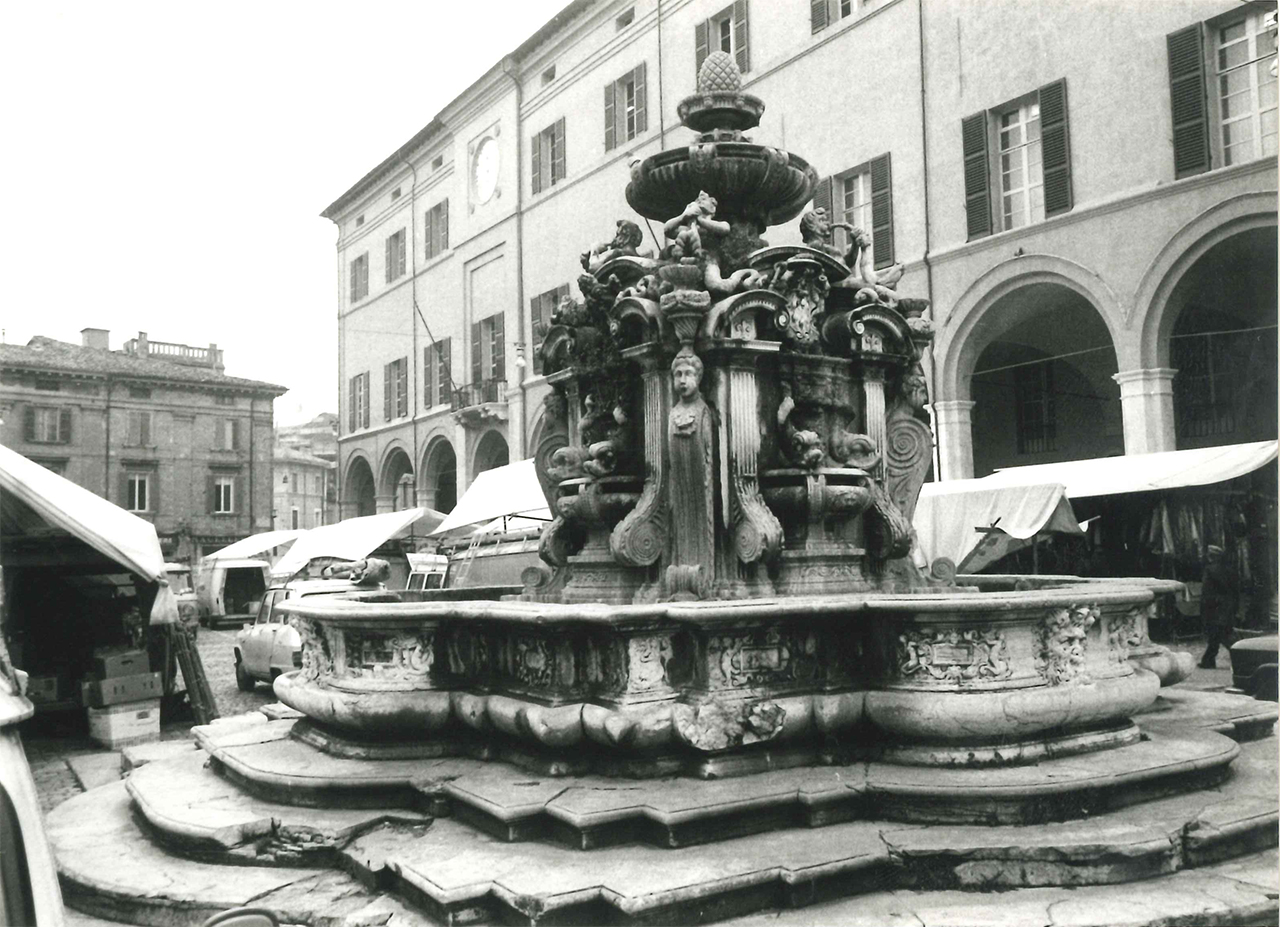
[{"x": 1219, "y": 594}]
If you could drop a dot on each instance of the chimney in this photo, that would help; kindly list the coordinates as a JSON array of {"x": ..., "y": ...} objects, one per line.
[
  {"x": 141, "y": 348},
  {"x": 99, "y": 338}
]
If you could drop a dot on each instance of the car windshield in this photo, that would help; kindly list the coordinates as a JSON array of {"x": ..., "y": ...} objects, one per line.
[{"x": 179, "y": 581}]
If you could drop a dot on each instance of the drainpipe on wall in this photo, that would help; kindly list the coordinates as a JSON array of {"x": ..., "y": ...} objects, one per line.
[
  {"x": 662, "y": 110},
  {"x": 338, "y": 461},
  {"x": 928, "y": 268},
  {"x": 251, "y": 486},
  {"x": 518, "y": 448},
  {"x": 414, "y": 311},
  {"x": 106, "y": 449}
]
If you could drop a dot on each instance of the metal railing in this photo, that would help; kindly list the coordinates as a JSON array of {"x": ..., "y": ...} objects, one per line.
[{"x": 474, "y": 394}]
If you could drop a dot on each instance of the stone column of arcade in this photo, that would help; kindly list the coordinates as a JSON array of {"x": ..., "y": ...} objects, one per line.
[{"x": 731, "y": 689}]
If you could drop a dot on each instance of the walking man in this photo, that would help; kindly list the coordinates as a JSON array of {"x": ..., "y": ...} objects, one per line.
[{"x": 1219, "y": 594}]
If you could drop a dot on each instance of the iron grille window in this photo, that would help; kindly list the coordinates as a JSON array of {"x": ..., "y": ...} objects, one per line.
[
  {"x": 1033, "y": 395},
  {"x": 1204, "y": 388}
]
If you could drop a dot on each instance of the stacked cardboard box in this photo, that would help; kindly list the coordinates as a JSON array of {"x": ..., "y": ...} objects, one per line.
[{"x": 123, "y": 701}]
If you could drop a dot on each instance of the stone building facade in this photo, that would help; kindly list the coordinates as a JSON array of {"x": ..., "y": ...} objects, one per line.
[
  {"x": 155, "y": 427},
  {"x": 304, "y": 494},
  {"x": 1088, "y": 200}
]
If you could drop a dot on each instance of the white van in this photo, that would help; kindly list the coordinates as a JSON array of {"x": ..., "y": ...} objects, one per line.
[{"x": 229, "y": 591}]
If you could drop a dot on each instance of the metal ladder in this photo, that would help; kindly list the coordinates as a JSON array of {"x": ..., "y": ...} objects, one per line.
[{"x": 199, "y": 694}]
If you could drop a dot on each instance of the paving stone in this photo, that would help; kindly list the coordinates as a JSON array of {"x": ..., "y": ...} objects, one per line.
[
  {"x": 193, "y": 809},
  {"x": 278, "y": 711},
  {"x": 141, "y": 754},
  {"x": 94, "y": 769},
  {"x": 1237, "y": 716}
]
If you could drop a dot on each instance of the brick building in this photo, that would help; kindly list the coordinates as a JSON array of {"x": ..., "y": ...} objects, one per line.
[{"x": 157, "y": 428}]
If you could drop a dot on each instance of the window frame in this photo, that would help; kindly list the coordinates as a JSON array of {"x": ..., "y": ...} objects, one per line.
[
  {"x": 548, "y": 157},
  {"x": 359, "y": 277},
  {"x": 224, "y": 495},
  {"x": 144, "y": 434},
  {"x": 625, "y": 120},
  {"x": 1211, "y": 47},
  {"x": 396, "y": 255},
  {"x": 134, "y": 479},
  {"x": 1023, "y": 106},
  {"x": 737, "y": 15},
  {"x": 436, "y": 230},
  {"x": 36, "y": 427}
]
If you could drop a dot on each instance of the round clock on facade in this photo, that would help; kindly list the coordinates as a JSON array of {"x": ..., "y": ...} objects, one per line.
[{"x": 484, "y": 170}]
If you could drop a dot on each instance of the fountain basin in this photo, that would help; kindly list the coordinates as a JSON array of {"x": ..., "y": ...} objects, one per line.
[{"x": 936, "y": 675}]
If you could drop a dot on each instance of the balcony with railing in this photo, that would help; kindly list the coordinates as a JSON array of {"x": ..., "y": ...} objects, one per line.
[{"x": 484, "y": 401}]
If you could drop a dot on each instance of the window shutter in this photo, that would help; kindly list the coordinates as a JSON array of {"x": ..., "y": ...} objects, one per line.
[
  {"x": 535, "y": 153},
  {"x": 352, "y": 386},
  {"x": 1187, "y": 97},
  {"x": 123, "y": 484},
  {"x": 977, "y": 180},
  {"x": 444, "y": 225},
  {"x": 390, "y": 248},
  {"x": 817, "y": 15},
  {"x": 64, "y": 426},
  {"x": 210, "y": 491},
  {"x": 29, "y": 424},
  {"x": 499, "y": 349},
  {"x": 237, "y": 495},
  {"x": 446, "y": 370},
  {"x": 429, "y": 235},
  {"x": 557, "y": 162},
  {"x": 428, "y": 374},
  {"x": 741, "y": 51},
  {"x": 402, "y": 393},
  {"x": 535, "y": 326},
  {"x": 822, "y": 197},
  {"x": 477, "y": 355},
  {"x": 146, "y": 427},
  {"x": 610, "y": 116},
  {"x": 1055, "y": 141},
  {"x": 388, "y": 372},
  {"x": 153, "y": 492},
  {"x": 699, "y": 46},
  {"x": 235, "y": 434},
  {"x": 882, "y": 210},
  {"x": 365, "y": 391},
  {"x": 642, "y": 119}
]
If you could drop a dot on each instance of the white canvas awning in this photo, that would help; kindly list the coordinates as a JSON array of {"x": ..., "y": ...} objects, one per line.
[
  {"x": 510, "y": 490},
  {"x": 352, "y": 539},
  {"x": 118, "y": 535},
  {"x": 949, "y": 514},
  {"x": 1107, "y": 476},
  {"x": 256, "y": 544}
]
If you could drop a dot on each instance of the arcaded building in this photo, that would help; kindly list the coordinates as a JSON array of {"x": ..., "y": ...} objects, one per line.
[{"x": 1086, "y": 194}]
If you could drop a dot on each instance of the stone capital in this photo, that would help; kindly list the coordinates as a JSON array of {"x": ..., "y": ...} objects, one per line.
[{"x": 1146, "y": 406}]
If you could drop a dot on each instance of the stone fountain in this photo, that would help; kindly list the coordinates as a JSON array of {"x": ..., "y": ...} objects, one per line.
[{"x": 729, "y": 594}]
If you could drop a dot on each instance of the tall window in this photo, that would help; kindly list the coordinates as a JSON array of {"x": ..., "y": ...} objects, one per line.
[
  {"x": 863, "y": 197},
  {"x": 438, "y": 361},
  {"x": 540, "y": 309},
  {"x": 140, "y": 429},
  {"x": 317, "y": 518},
  {"x": 46, "y": 425},
  {"x": 437, "y": 229},
  {"x": 360, "y": 278},
  {"x": 488, "y": 350},
  {"x": 395, "y": 256},
  {"x": 224, "y": 495},
  {"x": 1022, "y": 151},
  {"x": 1246, "y": 51},
  {"x": 726, "y": 31},
  {"x": 137, "y": 492},
  {"x": 1203, "y": 390},
  {"x": 395, "y": 389},
  {"x": 1021, "y": 179},
  {"x": 547, "y": 153},
  {"x": 1036, "y": 422},
  {"x": 227, "y": 434},
  {"x": 293, "y": 517},
  {"x": 358, "y": 402},
  {"x": 823, "y": 13},
  {"x": 625, "y": 108}
]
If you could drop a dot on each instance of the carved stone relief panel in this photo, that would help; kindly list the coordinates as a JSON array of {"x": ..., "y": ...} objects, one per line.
[
  {"x": 952, "y": 655},
  {"x": 401, "y": 655},
  {"x": 769, "y": 657}
]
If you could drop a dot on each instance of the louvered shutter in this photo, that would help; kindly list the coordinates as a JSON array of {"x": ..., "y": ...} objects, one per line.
[
  {"x": 557, "y": 160},
  {"x": 428, "y": 375},
  {"x": 364, "y": 274},
  {"x": 700, "y": 44},
  {"x": 822, "y": 197},
  {"x": 64, "y": 426},
  {"x": 122, "y": 484},
  {"x": 365, "y": 391},
  {"x": 387, "y": 374},
  {"x": 390, "y": 259},
  {"x": 29, "y": 424},
  {"x": 235, "y": 434},
  {"x": 444, "y": 225},
  {"x": 402, "y": 382},
  {"x": 610, "y": 116},
  {"x": 882, "y": 210},
  {"x": 352, "y": 423},
  {"x": 237, "y": 495},
  {"x": 135, "y": 429},
  {"x": 210, "y": 493},
  {"x": 817, "y": 15},
  {"x": 535, "y": 326},
  {"x": 535, "y": 154},
  {"x": 1055, "y": 136},
  {"x": 153, "y": 491},
  {"x": 499, "y": 349},
  {"x": 477, "y": 355},
  {"x": 1188, "y": 103},
  {"x": 642, "y": 119},
  {"x": 146, "y": 428},
  {"x": 446, "y": 370},
  {"x": 977, "y": 179},
  {"x": 740, "y": 49},
  {"x": 429, "y": 234}
]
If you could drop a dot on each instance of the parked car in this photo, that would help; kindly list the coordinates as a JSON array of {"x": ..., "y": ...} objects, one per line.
[
  {"x": 428, "y": 571},
  {"x": 228, "y": 591},
  {"x": 1253, "y": 666},
  {"x": 270, "y": 645},
  {"x": 179, "y": 575}
]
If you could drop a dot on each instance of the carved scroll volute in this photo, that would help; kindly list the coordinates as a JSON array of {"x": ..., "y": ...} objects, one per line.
[
  {"x": 641, "y": 537},
  {"x": 757, "y": 533},
  {"x": 909, "y": 441}
]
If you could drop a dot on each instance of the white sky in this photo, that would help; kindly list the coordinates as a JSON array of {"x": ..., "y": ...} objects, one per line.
[{"x": 165, "y": 163}]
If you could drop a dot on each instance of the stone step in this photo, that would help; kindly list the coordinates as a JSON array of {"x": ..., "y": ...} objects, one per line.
[
  {"x": 194, "y": 811},
  {"x": 1243, "y": 891},
  {"x": 109, "y": 869}
]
